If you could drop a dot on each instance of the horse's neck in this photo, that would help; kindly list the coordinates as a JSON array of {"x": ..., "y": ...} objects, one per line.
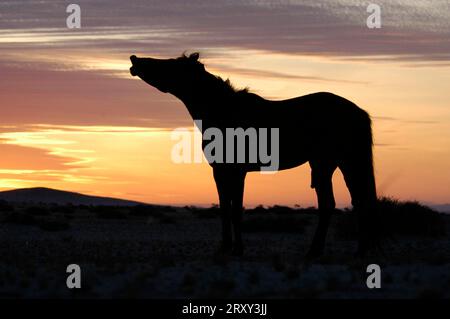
[
  {"x": 198, "y": 109},
  {"x": 208, "y": 106}
]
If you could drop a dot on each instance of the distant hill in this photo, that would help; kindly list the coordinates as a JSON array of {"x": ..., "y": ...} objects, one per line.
[{"x": 49, "y": 196}]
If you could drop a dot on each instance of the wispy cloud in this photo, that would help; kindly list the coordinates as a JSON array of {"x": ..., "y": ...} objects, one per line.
[
  {"x": 60, "y": 153},
  {"x": 406, "y": 120},
  {"x": 279, "y": 75},
  {"x": 416, "y": 30}
]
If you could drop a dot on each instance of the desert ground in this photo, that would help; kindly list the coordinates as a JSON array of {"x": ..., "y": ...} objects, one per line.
[{"x": 169, "y": 252}]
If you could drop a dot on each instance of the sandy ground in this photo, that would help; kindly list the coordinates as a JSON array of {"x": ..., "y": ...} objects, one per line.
[{"x": 147, "y": 257}]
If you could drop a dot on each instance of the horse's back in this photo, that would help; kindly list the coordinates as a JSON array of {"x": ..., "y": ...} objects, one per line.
[
  {"x": 319, "y": 125},
  {"x": 321, "y": 106}
]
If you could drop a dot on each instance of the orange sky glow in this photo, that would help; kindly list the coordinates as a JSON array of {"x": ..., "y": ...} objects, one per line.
[{"x": 73, "y": 118}]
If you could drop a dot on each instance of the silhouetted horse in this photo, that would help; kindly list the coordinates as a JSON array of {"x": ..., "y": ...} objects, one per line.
[{"x": 323, "y": 129}]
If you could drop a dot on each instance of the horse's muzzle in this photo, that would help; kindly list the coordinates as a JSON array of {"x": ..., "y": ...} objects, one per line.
[{"x": 133, "y": 59}]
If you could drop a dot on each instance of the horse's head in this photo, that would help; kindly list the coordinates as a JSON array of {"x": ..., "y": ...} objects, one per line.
[{"x": 168, "y": 75}]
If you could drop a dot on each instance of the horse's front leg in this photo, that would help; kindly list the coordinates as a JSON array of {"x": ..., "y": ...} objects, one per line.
[
  {"x": 237, "y": 210},
  {"x": 221, "y": 180},
  {"x": 321, "y": 180}
]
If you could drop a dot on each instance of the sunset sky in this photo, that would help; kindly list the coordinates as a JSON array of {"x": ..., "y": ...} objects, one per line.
[{"x": 73, "y": 118}]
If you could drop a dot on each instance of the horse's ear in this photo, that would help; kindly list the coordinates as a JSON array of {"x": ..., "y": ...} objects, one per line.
[{"x": 194, "y": 56}]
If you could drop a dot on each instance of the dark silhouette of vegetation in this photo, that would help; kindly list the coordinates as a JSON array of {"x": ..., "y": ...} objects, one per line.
[
  {"x": 68, "y": 209},
  {"x": 20, "y": 218},
  {"x": 156, "y": 212},
  {"x": 399, "y": 218},
  {"x": 38, "y": 211},
  {"x": 109, "y": 212},
  {"x": 143, "y": 211},
  {"x": 54, "y": 224},
  {"x": 277, "y": 219},
  {"x": 38, "y": 216},
  {"x": 205, "y": 213},
  {"x": 142, "y": 252},
  {"x": 5, "y": 206}
]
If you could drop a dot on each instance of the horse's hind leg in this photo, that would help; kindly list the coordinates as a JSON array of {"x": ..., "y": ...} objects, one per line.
[
  {"x": 321, "y": 181},
  {"x": 359, "y": 178}
]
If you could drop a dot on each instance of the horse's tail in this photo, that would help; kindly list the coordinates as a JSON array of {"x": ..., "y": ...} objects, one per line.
[
  {"x": 368, "y": 153},
  {"x": 369, "y": 215},
  {"x": 358, "y": 165}
]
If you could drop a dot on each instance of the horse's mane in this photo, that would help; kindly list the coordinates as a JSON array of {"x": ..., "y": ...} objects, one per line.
[
  {"x": 216, "y": 80},
  {"x": 227, "y": 83}
]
